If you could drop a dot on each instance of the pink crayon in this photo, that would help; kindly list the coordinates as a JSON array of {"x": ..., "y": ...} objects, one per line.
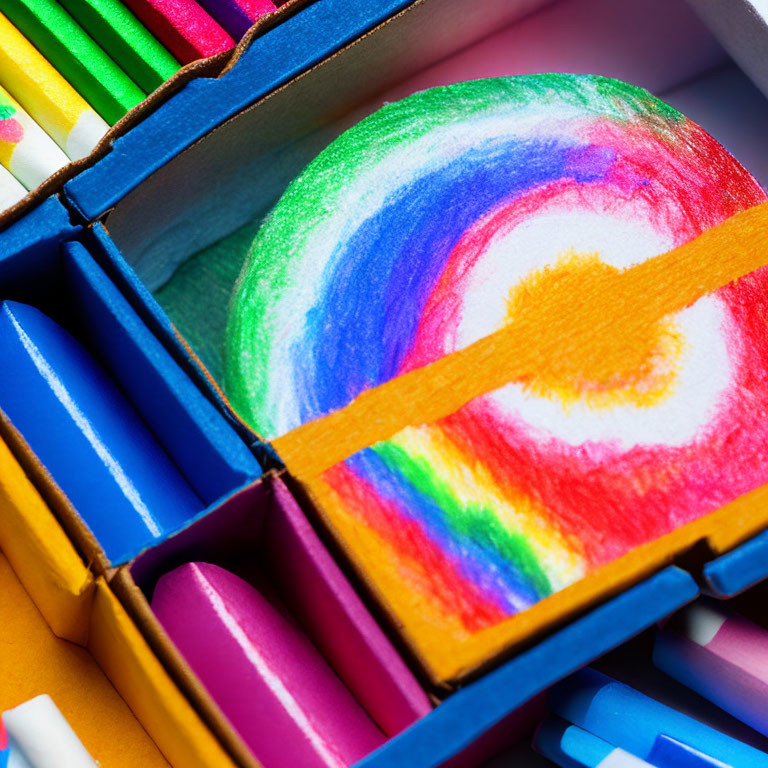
[
  {"x": 237, "y": 16},
  {"x": 262, "y": 671},
  {"x": 183, "y": 27},
  {"x": 720, "y": 655}
]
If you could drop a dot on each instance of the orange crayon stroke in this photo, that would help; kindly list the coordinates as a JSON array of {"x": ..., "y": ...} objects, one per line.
[{"x": 589, "y": 327}]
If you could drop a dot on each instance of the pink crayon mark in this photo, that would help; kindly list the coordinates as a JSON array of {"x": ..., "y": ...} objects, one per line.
[{"x": 11, "y": 131}]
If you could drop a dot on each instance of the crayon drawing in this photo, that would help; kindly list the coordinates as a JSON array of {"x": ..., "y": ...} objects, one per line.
[{"x": 553, "y": 209}]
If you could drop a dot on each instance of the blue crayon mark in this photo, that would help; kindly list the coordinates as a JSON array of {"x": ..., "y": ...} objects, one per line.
[{"x": 395, "y": 258}]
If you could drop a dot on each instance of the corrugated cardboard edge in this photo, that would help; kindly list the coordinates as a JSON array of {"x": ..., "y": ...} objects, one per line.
[
  {"x": 212, "y": 67},
  {"x": 54, "y": 498},
  {"x": 690, "y": 546}
]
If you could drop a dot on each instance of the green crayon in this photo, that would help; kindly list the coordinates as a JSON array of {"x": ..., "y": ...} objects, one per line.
[
  {"x": 66, "y": 45},
  {"x": 128, "y": 41}
]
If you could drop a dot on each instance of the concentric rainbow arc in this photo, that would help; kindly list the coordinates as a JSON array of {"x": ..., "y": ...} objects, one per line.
[{"x": 430, "y": 225}]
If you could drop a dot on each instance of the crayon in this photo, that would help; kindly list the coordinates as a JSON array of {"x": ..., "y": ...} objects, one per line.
[
  {"x": 569, "y": 746},
  {"x": 50, "y": 101},
  {"x": 263, "y": 672},
  {"x": 11, "y": 189},
  {"x": 26, "y": 150},
  {"x": 87, "y": 68},
  {"x": 127, "y": 40},
  {"x": 88, "y": 436},
  {"x": 720, "y": 655},
  {"x": 641, "y": 725},
  {"x": 183, "y": 27},
  {"x": 237, "y": 16},
  {"x": 43, "y": 736},
  {"x": 4, "y": 746}
]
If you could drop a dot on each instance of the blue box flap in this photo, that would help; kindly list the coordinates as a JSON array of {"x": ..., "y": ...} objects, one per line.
[
  {"x": 34, "y": 233},
  {"x": 271, "y": 60},
  {"x": 473, "y": 710}
]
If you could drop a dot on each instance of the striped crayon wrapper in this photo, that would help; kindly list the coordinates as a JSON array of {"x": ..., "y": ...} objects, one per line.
[
  {"x": 87, "y": 68},
  {"x": 51, "y": 102},
  {"x": 720, "y": 655},
  {"x": 128, "y": 41},
  {"x": 183, "y": 27},
  {"x": 11, "y": 191},
  {"x": 237, "y": 16},
  {"x": 26, "y": 150}
]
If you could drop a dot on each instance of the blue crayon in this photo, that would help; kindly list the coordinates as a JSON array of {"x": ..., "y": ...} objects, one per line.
[
  {"x": 572, "y": 747},
  {"x": 88, "y": 436},
  {"x": 645, "y": 727}
]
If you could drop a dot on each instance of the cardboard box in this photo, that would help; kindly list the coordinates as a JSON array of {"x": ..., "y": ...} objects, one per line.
[
  {"x": 158, "y": 206},
  {"x": 211, "y": 67},
  {"x": 44, "y": 260},
  {"x": 233, "y": 174},
  {"x": 81, "y": 627}
]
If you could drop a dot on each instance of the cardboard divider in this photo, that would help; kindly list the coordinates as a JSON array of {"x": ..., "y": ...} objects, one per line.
[
  {"x": 68, "y": 285},
  {"x": 737, "y": 570},
  {"x": 271, "y": 60},
  {"x": 83, "y": 611},
  {"x": 37, "y": 662},
  {"x": 40, "y": 552},
  {"x": 262, "y": 535}
]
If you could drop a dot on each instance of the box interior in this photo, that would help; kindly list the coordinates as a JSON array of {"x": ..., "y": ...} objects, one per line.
[
  {"x": 73, "y": 290},
  {"x": 261, "y": 534},
  {"x": 187, "y": 229}
]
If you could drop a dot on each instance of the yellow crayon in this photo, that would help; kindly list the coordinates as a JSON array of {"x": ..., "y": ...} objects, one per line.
[{"x": 51, "y": 102}]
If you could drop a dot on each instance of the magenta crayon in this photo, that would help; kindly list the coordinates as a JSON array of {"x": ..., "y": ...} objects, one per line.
[
  {"x": 236, "y": 16},
  {"x": 720, "y": 655},
  {"x": 183, "y": 27},
  {"x": 263, "y": 672}
]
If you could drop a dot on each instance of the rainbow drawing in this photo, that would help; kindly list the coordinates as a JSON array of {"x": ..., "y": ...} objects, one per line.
[{"x": 441, "y": 220}]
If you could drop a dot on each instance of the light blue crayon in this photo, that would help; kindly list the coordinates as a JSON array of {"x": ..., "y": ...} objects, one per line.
[
  {"x": 572, "y": 747},
  {"x": 637, "y": 723}
]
